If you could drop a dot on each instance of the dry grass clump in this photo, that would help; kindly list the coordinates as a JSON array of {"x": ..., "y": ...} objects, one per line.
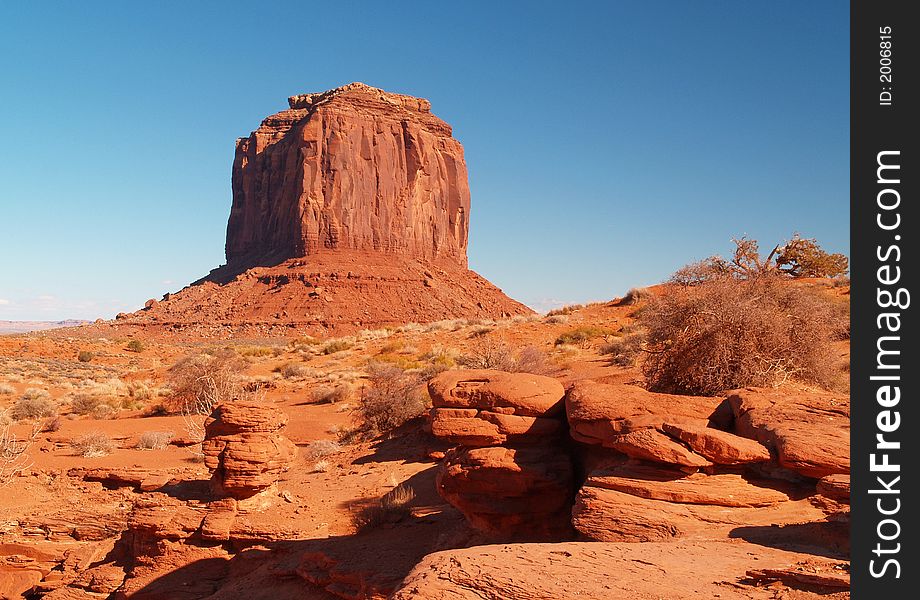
[
  {"x": 329, "y": 394},
  {"x": 565, "y": 310},
  {"x": 84, "y": 356},
  {"x": 624, "y": 350},
  {"x": 580, "y": 336},
  {"x": 33, "y": 404},
  {"x": 321, "y": 449},
  {"x": 391, "y": 398},
  {"x": 393, "y": 507},
  {"x": 295, "y": 370},
  {"x": 556, "y": 319},
  {"x": 199, "y": 382},
  {"x": 728, "y": 333},
  {"x": 154, "y": 440},
  {"x": 333, "y": 346},
  {"x": 6, "y": 389},
  {"x": 495, "y": 354},
  {"x": 93, "y": 445},
  {"x": 135, "y": 346}
]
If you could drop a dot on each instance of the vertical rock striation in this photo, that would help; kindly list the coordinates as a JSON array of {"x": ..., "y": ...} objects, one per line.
[{"x": 353, "y": 168}]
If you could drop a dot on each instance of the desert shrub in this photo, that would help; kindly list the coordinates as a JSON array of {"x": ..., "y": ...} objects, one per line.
[
  {"x": 154, "y": 440},
  {"x": 499, "y": 356},
  {"x": 33, "y": 404},
  {"x": 294, "y": 370},
  {"x": 321, "y": 449},
  {"x": 624, "y": 350},
  {"x": 328, "y": 394},
  {"x": 135, "y": 346},
  {"x": 393, "y": 507},
  {"x": 84, "y": 404},
  {"x": 531, "y": 359},
  {"x": 565, "y": 310},
  {"x": 488, "y": 354},
  {"x": 303, "y": 342},
  {"x": 93, "y": 445},
  {"x": 6, "y": 389},
  {"x": 729, "y": 333},
  {"x": 701, "y": 271},
  {"x": 391, "y": 398},
  {"x": 139, "y": 391},
  {"x": 201, "y": 381},
  {"x": 256, "y": 351},
  {"x": 581, "y": 335},
  {"x": 334, "y": 346},
  {"x": 85, "y": 356},
  {"x": 320, "y": 466},
  {"x": 803, "y": 257},
  {"x": 51, "y": 424},
  {"x": 556, "y": 319},
  {"x": 797, "y": 257}
]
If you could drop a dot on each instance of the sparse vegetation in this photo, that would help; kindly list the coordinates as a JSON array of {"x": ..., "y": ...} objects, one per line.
[
  {"x": 6, "y": 389},
  {"x": 135, "y": 346},
  {"x": 392, "y": 397},
  {"x": 85, "y": 356},
  {"x": 328, "y": 394},
  {"x": 393, "y": 507},
  {"x": 154, "y": 440},
  {"x": 795, "y": 258},
  {"x": 495, "y": 354},
  {"x": 728, "y": 333},
  {"x": 321, "y": 449},
  {"x": 93, "y": 445},
  {"x": 200, "y": 382},
  {"x": 294, "y": 370},
  {"x": 334, "y": 346},
  {"x": 624, "y": 350},
  {"x": 33, "y": 404},
  {"x": 580, "y": 336}
]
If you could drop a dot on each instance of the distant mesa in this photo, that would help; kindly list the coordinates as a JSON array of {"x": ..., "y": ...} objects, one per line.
[{"x": 350, "y": 210}]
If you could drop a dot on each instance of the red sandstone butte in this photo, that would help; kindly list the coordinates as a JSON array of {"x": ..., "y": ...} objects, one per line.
[
  {"x": 352, "y": 168},
  {"x": 350, "y": 210}
]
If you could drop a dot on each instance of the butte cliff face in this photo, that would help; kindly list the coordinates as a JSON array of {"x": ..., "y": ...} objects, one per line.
[
  {"x": 350, "y": 211},
  {"x": 353, "y": 168}
]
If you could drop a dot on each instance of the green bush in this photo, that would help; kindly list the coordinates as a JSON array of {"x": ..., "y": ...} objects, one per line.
[{"x": 135, "y": 346}]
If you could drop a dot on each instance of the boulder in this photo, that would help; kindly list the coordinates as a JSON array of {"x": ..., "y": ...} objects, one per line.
[
  {"x": 509, "y": 491},
  {"x": 522, "y": 394},
  {"x": 243, "y": 449}
]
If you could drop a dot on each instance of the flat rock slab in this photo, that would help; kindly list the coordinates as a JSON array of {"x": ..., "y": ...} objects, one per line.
[
  {"x": 598, "y": 412},
  {"x": 474, "y": 428},
  {"x": 612, "y": 516},
  {"x": 651, "y": 444},
  {"x": 810, "y": 431},
  {"x": 836, "y": 487},
  {"x": 721, "y": 447},
  {"x": 679, "y": 570},
  {"x": 675, "y": 486}
]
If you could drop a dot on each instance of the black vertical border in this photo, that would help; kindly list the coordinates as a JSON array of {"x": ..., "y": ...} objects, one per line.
[{"x": 875, "y": 128}]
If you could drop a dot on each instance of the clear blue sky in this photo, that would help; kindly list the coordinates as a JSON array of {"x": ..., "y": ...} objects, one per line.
[{"x": 608, "y": 143}]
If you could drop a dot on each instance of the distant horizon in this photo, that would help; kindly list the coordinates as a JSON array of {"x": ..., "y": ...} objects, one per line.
[{"x": 607, "y": 144}]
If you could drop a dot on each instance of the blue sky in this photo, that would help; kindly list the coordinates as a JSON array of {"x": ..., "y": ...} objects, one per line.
[{"x": 608, "y": 143}]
